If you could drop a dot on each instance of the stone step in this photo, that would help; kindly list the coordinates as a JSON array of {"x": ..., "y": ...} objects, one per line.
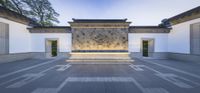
[
  {"x": 99, "y": 57},
  {"x": 100, "y": 63},
  {"x": 97, "y": 60}
]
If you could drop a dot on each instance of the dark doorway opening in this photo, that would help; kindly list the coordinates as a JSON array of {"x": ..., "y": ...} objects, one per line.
[
  {"x": 54, "y": 48},
  {"x": 51, "y": 48},
  {"x": 145, "y": 48}
]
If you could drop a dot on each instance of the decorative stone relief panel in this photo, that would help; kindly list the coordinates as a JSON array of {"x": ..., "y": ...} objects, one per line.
[{"x": 100, "y": 39}]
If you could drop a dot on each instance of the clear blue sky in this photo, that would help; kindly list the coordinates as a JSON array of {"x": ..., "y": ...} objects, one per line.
[{"x": 140, "y": 12}]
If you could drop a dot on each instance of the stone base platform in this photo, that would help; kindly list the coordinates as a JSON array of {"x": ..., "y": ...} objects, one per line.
[{"x": 100, "y": 57}]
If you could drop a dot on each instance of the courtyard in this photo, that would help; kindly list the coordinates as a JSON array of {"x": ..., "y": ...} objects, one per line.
[
  {"x": 99, "y": 46},
  {"x": 138, "y": 76}
]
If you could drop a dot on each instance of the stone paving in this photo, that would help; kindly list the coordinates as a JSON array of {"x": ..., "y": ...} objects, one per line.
[{"x": 60, "y": 76}]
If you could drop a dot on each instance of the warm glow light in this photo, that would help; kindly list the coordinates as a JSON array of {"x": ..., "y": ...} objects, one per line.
[
  {"x": 85, "y": 53},
  {"x": 102, "y": 57}
]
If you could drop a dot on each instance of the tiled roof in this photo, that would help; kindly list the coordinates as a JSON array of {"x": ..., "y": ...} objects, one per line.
[
  {"x": 145, "y": 27},
  {"x": 14, "y": 16},
  {"x": 50, "y": 29},
  {"x": 148, "y": 29},
  {"x": 99, "y": 20},
  {"x": 186, "y": 16}
]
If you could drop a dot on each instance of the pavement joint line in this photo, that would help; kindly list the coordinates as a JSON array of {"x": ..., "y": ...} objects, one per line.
[
  {"x": 176, "y": 80},
  {"x": 100, "y": 79},
  {"x": 137, "y": 67},
  {"x": 10, "y": 80},
  {"x": 149, "y": 90},
  {"x": 174, "y": 69},
  {"x": 170, "y": 77},
  {"x": 28, "y": 78},
  {"x": 63, "y": 67},
  {"x": 28, "y": 68},
  {"x": 99, "y": 63}
]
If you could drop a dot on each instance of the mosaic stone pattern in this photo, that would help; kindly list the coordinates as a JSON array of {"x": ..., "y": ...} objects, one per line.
[{"x": 100, "y": 38}]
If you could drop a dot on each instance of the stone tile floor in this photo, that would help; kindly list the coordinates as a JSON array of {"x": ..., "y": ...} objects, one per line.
[{"x": 60, "y": 76}]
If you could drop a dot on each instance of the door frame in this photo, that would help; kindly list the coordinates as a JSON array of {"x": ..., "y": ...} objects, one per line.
[
  {"x": 141, "y": 48},
  {"x": 6, "y": 38},
  {"x": 51, "y": 39}
]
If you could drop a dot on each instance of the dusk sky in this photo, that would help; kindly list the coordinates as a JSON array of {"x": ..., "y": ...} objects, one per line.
[{"x": 139, "y": 12}]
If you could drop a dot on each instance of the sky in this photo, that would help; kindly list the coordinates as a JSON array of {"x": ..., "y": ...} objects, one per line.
[{"x": 139, "y": 12}]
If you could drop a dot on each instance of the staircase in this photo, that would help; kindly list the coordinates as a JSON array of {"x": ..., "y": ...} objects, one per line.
[{"x": 99, "y": 57}]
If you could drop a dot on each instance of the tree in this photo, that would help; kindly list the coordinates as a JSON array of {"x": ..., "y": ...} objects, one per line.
[
  {"x": 2, "y": 2},
  {"x": 42, "y": 11},
  {"x": 165, "y": 23},
  {"x": 39, "y": 10},
  {"x": 15, "y": 5}
]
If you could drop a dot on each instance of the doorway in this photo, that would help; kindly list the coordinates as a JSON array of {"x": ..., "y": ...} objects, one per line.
[
  {"x": 51, "y": 47},
  {"x": 147, "y": 47}
]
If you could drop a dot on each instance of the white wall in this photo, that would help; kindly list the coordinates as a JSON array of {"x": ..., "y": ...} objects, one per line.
[
  {"x": 38, "y": 41},
  {"x": 179, "y": 37},
  {"x": 19, "y": 37},
  {"x": 161, "y": 41}
]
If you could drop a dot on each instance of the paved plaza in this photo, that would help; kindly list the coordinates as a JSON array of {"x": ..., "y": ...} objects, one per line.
[{"x": 60, "y": 76}]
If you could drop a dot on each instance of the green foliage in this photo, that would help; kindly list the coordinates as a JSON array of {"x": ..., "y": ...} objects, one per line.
[
  {"x": 39, "y": 10},
  {"x": 54, "y": 48},
  {"x": 165, "y": 23},
  {"x": 145, "y": 48},
  {"x": 15, "y": 5},
  {"x": 42, "y": 11},
  {"x": 54, "y": 53}
]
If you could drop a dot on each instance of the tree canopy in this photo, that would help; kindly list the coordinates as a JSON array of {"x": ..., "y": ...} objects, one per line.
[
  {"x": 165, "y": 23},
  {"x": 38, "y": 10}
]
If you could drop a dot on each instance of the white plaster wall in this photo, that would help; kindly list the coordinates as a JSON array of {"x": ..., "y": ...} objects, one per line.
[
  {"x": 19, "y": 37},
  {"x": 161, "y": 41},
  {"x": 38, "y": 41},
  {"x": 179, "y": 37}
]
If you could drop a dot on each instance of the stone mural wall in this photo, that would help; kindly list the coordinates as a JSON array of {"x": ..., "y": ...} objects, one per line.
[{"x": 100, "y": 39}]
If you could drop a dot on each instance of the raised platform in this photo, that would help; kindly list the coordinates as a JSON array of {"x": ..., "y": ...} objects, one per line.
[
  {"x": 99, "y": 51},
  {"x": 100, "y": 57}
]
